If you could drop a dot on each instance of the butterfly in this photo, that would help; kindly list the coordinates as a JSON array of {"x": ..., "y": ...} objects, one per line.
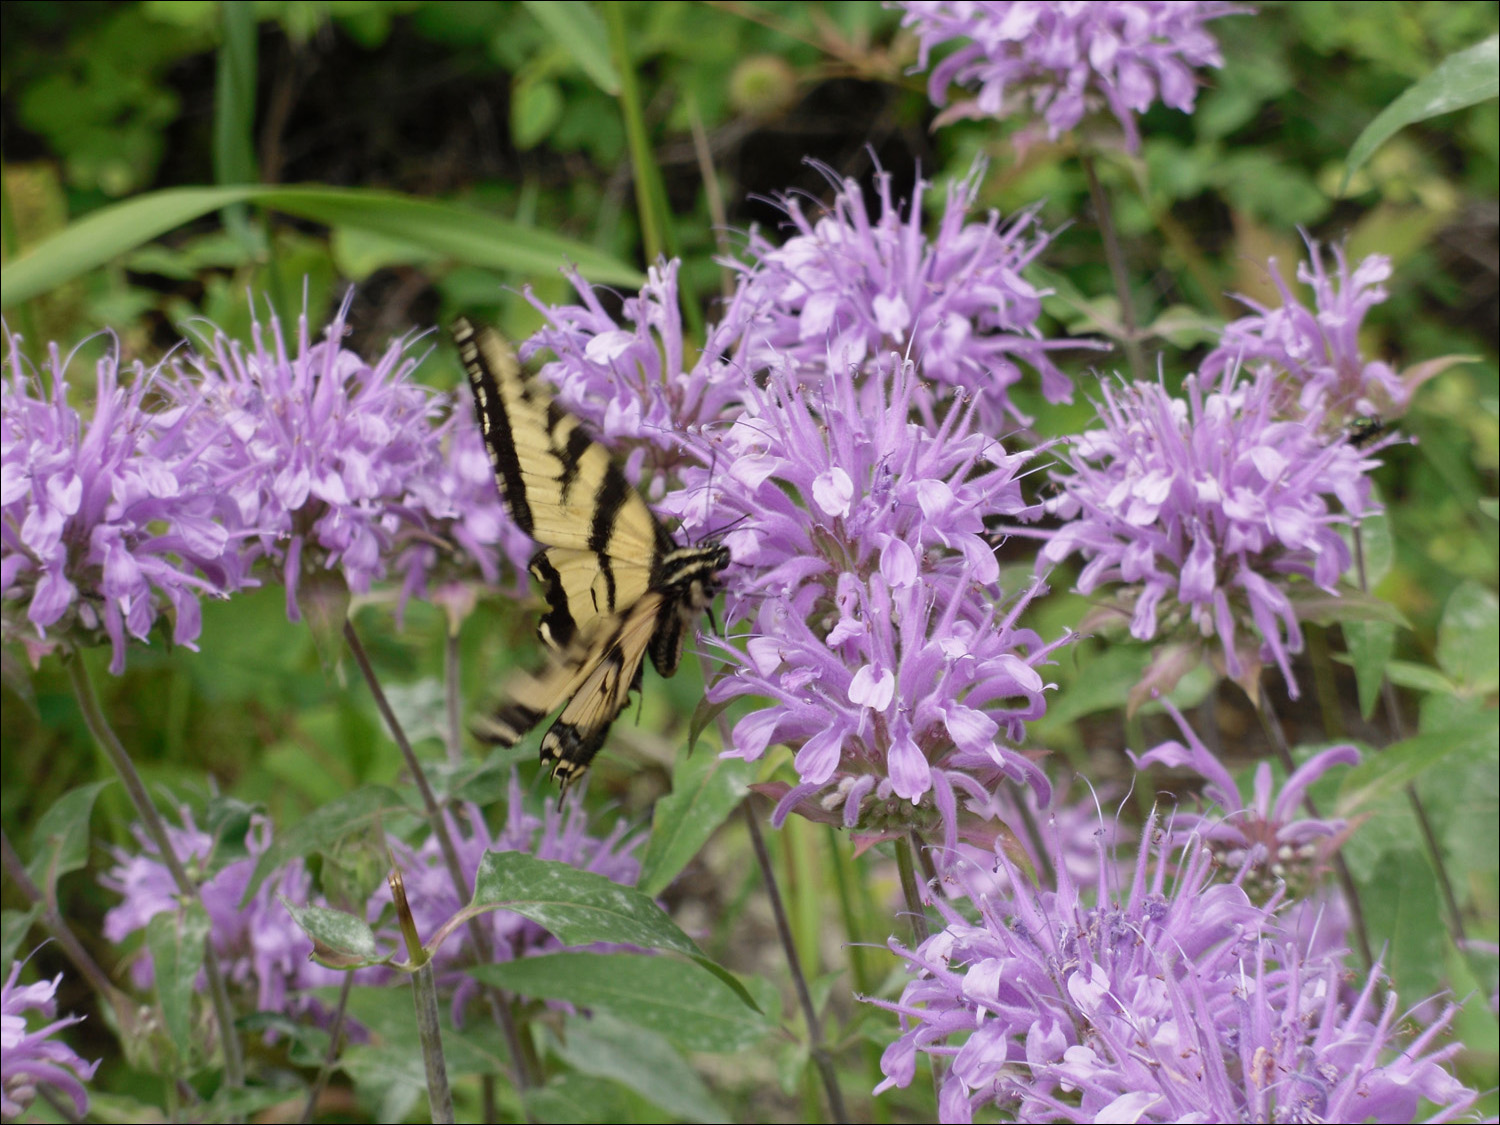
[{"x": 618, "y": 587}]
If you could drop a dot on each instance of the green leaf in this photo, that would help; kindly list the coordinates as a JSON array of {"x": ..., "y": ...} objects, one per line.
[
  {"x": 577, "y": 907},
  {"x": 1400, "y": 903},
  {"x": 575, "y": 1099},
  {"x": 580, "y": 32},
  {"x": 324, "y": 827},
  {"x": 234, "y": 96},
  {"x": 456, "y": 232},
  {"x": 60, "y": 840},
  {"x": 677, "y": 999},
  {"x": 1370, "y": 645},
  {"x": 1420, "y": 677},
  {"x": 536, "y": 106},
  {"x": 1382, "y": 777},
  {"x": 14, "y": 926},
  {"x": 1466, "y": 78},
  {"x": 175, "y": 940},
  {"x": 1468, "y": 641},
  {"x": 340, "y": 941},
  {"x": 1323, "y": 608},
  {"x": 640, "y": 1060},
  {"x": 706, "y": 789},
  {"x": 1379, "y": 547}
]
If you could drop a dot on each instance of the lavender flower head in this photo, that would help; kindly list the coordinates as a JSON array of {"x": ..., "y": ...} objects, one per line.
[
  {"x": 33, "y": 1058},
  {"x": 1317, "y": 350},
  {"x": 110, "y": 519},
  {"x": 1206, "y": 508},
  {"x": 343, "y": 461},
  {"x": 1171, "y": 1000},
  {"x": 889, "y": 670},
  {"x": 637, "y": 382},
  {"x": 1068, "y": 58},
  {"x": 263, "y": 952},
  {"x": 849, "y": 289}
]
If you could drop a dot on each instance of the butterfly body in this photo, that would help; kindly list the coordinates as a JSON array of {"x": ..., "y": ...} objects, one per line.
[{"x": 618, "y": 587}]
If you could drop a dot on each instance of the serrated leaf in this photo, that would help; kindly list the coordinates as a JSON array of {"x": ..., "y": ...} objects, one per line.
[
  {"x": 60, "y": 840},
  {"x": 175, "y": 940},
  {"x": 578, "y": 30},
  {"x": 1468, "y": 641},
  {"x": 678, "y": 999},
  {"x": 642, "y": 1061},
  {"x": 705, "y": 791},
  {"x": 577, "y": 907},
  {"x": 455, "y": 232},
  {"x": 1370, "y": 645},
  {"x": 324, "y": 827},
  {"x": 340, "y": 940},
  {"x": 1465, "y": 78}
]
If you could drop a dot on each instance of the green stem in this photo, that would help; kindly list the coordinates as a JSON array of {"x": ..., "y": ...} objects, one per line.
[
  {"x": 1114, "y": 254},
  {"x": 819, "y": 1053},
  {"x": 522, "y": 1061},
  {"x": 1271, "y": 724},
  {"x": 916, "y": 911},
  {"x": 57, "y": 928},
  {"x": 105, "y": 737},
  {"x": 331, "y": 1056}
]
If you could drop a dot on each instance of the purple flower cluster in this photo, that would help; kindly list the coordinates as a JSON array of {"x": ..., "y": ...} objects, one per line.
[
  {"x": 1173, "y": 1000},
  {"x": 849, "y": 289},
  {"x": 341, "y": 462},
  {"x": 1315, "y": 352},
  {"x": 1068, "y": 58},
  {"x": 1201, "y": 509},
  {"x": 317, "y": 461},
  {"x": 266, "y": 955},
  {"x": 109, "y": 519},
  {"x": 875, "y": 638},
  {"x": 636, "y": 382},
  {"x": 262, "y": 950},
  {"x": 33, "y": 1058}
]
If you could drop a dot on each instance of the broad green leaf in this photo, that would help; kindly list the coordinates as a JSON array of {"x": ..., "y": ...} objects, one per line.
[
  {"x": 60, "y": 840},
  {"x": 677, "y": 999},
  {"x": 579, "y": 31},
  {"x": 1465, "y": 78},
  {"x": 1370, "y": 646},
  {"x": 357, "y": 812},
  {"x": 1379, "y": 547},
  {"x": 1398, "y": 895},
  {"x": 536, "y": 106},
  {"x": 1419, "y": 677},
  {"x": 1468, "y": 642},
  {"x": 340, "y": 941},
  {"x": 705, "y": 790},
  {"x": 175, "y": 939},
  {"x": 642, "y": 1061},
  {"x": 575, "y": 1098},
  {"x": 577, "y": 907},
  {"x": 388, "y": 1073},
  {"x": 443, "y": 228},
  {"x": 1382, "y": 777}
]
